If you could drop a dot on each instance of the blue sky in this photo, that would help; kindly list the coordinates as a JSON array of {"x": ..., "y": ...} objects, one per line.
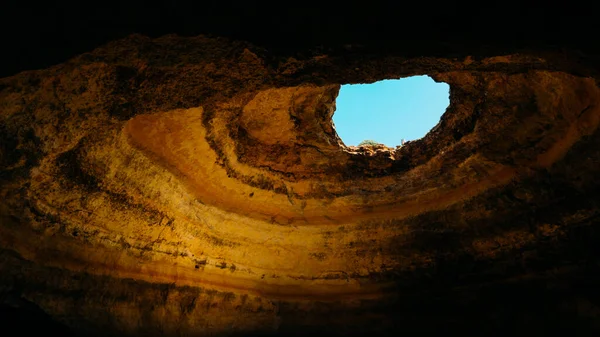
[{"x": 390, "y": 110}]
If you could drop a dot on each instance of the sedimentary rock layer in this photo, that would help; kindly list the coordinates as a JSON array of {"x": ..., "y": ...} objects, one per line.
[{"x": 194, "y": 186}]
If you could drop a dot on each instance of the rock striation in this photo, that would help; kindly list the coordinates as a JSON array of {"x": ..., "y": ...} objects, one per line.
[{"x": 196, "y": 186}]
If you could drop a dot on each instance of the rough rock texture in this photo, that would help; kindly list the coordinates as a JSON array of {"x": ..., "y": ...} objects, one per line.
[{"x": 196, "y": 186}]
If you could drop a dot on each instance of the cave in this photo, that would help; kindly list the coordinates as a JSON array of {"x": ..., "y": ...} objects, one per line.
[{"x": 179, "y": 174}]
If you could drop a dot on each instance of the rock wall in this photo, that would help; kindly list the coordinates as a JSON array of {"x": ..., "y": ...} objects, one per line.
[{"x": 196, "y": 186}]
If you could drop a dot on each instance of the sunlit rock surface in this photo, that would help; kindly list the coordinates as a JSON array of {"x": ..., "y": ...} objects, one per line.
[{"x": 190, "y": 186}]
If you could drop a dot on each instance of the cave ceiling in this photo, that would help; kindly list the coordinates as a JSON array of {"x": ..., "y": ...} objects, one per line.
[{"x": 185, "y": 177}]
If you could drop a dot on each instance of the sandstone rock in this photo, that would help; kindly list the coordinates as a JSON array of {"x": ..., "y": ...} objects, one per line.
[{"x": 184, "y": 186}]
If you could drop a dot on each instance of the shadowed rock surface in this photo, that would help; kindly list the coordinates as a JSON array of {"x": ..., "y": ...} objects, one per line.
[{"x": 195, "y": 186}]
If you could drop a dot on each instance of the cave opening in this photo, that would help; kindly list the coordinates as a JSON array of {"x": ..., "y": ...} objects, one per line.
[{"x": 389, "y": 112}]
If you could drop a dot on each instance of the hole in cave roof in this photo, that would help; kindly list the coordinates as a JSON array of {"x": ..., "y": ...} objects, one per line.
[{"x": 389, "y": 111}]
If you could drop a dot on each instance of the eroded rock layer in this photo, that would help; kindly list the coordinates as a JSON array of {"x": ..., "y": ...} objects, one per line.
[{"x": 193, "y": 186}]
